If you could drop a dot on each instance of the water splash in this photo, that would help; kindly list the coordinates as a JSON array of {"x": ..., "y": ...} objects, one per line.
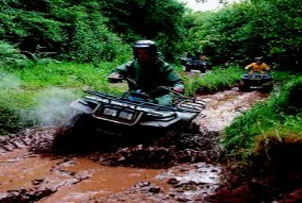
[
  {"x": 52, "y": 107},
  {"x": 9, "y": 81}
]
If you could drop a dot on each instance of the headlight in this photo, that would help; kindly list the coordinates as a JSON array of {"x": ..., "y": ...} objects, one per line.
[
  {"x": 126, "y": 115},
  {"x": 110, "y": 112}
]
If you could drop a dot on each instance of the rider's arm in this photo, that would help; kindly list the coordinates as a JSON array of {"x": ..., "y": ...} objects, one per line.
[
  {"x": 119, "y": 72},
  {"x": 204, "y": 58},
  {"x": 173, "y": 79},
  {"x": 265, "y": 66},
  {"x": 249, "y": 66}
]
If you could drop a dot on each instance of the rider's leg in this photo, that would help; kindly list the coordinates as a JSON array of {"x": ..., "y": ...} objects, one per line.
[{"x": 165, "y": 100}]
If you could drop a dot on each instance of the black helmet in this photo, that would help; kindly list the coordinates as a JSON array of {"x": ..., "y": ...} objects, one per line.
[
  {"x": 259, "y": 58},
  {"x": 145, "y": 44}
]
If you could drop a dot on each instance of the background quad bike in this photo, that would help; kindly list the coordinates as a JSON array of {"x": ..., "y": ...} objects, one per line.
[
  {"x": 256, "y": 81},
  {"x": 196, "y": 64}
]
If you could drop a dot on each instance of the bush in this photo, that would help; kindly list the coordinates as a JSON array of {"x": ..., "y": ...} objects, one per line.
[
  {"x": 218, "y": 79},
  {"x": 279, "y": 116},
  {"x": 11, "y": 56},
  {"x": 60, "y": 29},
  {"x": 289, "y": 99}
]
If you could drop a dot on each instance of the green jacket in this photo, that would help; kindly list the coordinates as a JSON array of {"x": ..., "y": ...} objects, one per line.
[{"x": 149, "y": 76}]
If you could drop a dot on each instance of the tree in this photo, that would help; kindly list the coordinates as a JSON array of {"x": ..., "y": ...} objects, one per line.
[
  {"x": 271, "y": 28},
  {"x": 160, "y": 20},
  {"x": 68, "y": 29}
]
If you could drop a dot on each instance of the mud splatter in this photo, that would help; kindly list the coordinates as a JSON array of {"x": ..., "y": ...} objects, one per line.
[{"x": 170, "y": 150}]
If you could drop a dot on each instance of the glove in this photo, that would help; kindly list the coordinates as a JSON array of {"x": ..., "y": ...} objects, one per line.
[
  {"x": 178, "y": 89},
  {"x": 115, "y": 77}
]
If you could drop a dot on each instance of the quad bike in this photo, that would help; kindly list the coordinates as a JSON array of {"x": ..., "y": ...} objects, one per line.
[
  {"x": 197, "y": 64},
  {"x": 135, "y": 112},
  {"x": 261, "y": 81}
]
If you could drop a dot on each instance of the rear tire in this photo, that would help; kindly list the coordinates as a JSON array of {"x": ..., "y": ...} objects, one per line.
[{"x": 203, "y": 69}]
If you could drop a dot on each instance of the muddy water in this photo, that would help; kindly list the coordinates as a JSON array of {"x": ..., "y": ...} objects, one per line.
[
  {"x": 223, "y": 107},
  {"x": 102, "y": 180},
  {"x": 28, "y": 176}
]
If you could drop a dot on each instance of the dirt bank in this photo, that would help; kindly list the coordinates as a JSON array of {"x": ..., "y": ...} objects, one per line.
[{"x": 178, "y": 167}]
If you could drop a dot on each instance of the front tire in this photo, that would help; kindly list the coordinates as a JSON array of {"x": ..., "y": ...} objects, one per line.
[
  {"x": 187, "y": 69},
  {"x": 73, "y": 137},
  {"x": 243, "y": 87},
  {"x": 267, "y": 88}
]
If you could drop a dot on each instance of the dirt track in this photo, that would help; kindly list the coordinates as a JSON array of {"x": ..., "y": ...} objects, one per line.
[{"x": 185, "y": 162}]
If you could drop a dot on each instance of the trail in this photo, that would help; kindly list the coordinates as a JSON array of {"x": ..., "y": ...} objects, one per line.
[{"x": 178, "y": 167}]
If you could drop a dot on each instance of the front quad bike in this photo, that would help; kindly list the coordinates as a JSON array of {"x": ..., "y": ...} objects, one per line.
[
  {"x": 256, "y": 81},
  {"x": 197, "y": 64},
  {"x": 135, "y": 113}
]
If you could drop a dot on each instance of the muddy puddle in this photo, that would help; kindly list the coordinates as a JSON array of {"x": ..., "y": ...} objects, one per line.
[
  {"x": 180, "y": 167},
  {"x": 223, "y": 107}
]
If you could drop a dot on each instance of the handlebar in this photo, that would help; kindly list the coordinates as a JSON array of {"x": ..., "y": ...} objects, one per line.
[
  {"x": 133, "y": 83},
  {"x": 114, "y": 80},
  {"x": 121, "y": 78}
]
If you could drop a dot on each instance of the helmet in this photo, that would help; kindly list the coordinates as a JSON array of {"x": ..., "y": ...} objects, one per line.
[
  {"x": 197, "y": 53},
  {"x": 259, "y": 58},
  {"x": 146, "y": 44}
]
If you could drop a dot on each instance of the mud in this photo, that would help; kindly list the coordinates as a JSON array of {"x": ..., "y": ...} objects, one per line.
[
  {"x": 182, "y": 183},
  {"x": 167, "y": 151},
  {"x": 178, "y": 167},
  {"x": 223, "y": 107},
  {"x": 28, "y": 177}
]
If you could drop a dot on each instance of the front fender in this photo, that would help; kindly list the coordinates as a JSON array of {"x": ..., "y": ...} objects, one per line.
[{"x": 82, "y": 106}]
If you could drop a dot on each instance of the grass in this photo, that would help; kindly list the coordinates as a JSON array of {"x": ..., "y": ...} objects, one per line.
[
  {"x": 21, "y": 89},
  {"x": 280, "y": 116},
  {"x": 218, "y": 79}
]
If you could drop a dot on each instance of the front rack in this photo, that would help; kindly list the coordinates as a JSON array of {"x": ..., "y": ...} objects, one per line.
[{"x": 180, "y": 102}]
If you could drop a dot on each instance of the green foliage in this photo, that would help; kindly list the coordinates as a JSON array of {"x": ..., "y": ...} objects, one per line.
[
  {"x": 218, "y": 79},
  {"x": 279, "y": 116},
  {"x": 10, "y": 122},
  {"x": 91, "y": 40},
  {"x": 78, "y": 31},
  {"x": 61, "y": 29},
  {"x": 160, "y": 20},
  {"x": 11, "y": 56},
  {"x": 239, "y": 33},
  {"x": 289, "y": 101}
]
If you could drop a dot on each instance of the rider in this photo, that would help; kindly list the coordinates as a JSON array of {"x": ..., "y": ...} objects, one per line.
[
  {"x": 258, "y": 65},
  {"x": 149, "y": 72},
  {"x": 203, "y": 57}
]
